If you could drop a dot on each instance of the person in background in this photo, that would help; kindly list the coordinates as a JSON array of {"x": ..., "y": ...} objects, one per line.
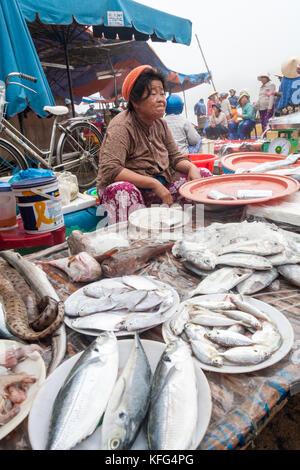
[
  {"x": 225, "y": 106},
  {"x": 218, "y": 123},
  {"x": 91, "y": 111},
  {"x": 233, "y": 99},
  {"x": 265, "y": 102},
  {"x": 182, "y": 130},
  {"x": 241, "y": 129},
  {"x": 200, "y": 112},
  {"x": 277, "y": 95},
  {"x": 139, "y": 162},
  {"x": 212, "y": 98}
]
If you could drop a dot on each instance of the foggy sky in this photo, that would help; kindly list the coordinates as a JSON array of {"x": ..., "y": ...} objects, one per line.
[{"x": 240, "y": 39}]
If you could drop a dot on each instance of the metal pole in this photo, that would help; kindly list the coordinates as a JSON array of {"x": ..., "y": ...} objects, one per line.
[
  {"x": 212, "y": 82},
  {"x": 65, "y": 40}
]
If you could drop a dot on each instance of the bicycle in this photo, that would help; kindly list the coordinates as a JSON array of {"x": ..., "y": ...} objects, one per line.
[{"x": 77, "y": 148}]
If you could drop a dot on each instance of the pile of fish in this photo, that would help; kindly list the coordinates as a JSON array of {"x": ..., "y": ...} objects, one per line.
[
  {"x": 30, "y": 308},
  {"x": 133, "y": 401},
  {"x": 14, "y": 385},
  {"x": 247, "y": 256},
  {"x": 88, "y": 267},
  {"x": 227, "y": 331},
  {"x": 126, "y": 303}
]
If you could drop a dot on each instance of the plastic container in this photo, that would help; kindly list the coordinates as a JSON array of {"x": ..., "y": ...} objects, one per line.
[
  {"x": 8, "y": 219},
  {"x": 203, "y": 160},
  {"x": 85, "y": 220},
  {"x": 39, "y": 203}
]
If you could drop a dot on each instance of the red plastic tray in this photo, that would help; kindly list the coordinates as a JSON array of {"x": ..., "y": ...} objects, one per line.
[
  {"x": 197, "y": 190},
  {"x": 18, "y": 238},
  {"x": 247, "y": 160}
]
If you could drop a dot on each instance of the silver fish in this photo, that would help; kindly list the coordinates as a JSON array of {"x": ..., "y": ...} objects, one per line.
[
  {"x": 195, "y": 332},
  {"x": 83, "y": 397},
  {"x": 195, "y": 253},
  {"x": 129, "y": 401},
  {"x": 105, "y": 287},
  {"x": 199, "y": 272},
  {"x": 257, "y": 281},
  {"x": 37, "y": 279},
  {"x": 268, "y": 336},
  {"x": 4, "y": 331},
  {"x": 212, "y": 319},
  {"x": 90, "y": 306},
  {"x": 139, "y": 282},
  {"x": 210, "y": 304},
  {"x": 219, "y": 196},
  {"x": 100, "y": 321},
  {"x": 140, "y": 320},
  {"x": 259, "y": 247},
  {"x": 173, "y": 410},
  {"x": 263, "y": 167},
  {"x": 286, "y": 257},
  {"x": 242, "y": 303},
  {"x": 180, "y": 318},
  {"x": 254, "y": 193},
  {"x": 246, "y": 319},
  {"x": 245, "y": 261},
  {"x": 291, "y": 272},
  {"x": 221, "y": 281},
  {"x": 128, "y": 300},
  {"x": 228, "y": 338},
  {"x": 151, "y": 301},
  {"x": 246, "y": 355},
  {"x": 206, "y": 353}
]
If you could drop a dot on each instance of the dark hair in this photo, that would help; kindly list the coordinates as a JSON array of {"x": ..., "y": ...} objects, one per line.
[{"x": 144, "y": 83}]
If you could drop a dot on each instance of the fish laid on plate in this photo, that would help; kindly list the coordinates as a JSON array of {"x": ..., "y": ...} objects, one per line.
[
  {"x": 129, "y": 401},
  {"x": 244, "y": 318},
  {"x": 268, "y": 336},
  {"x": 128, "y": 303},
  {"x": 219, "y": 196},
  {"x": 258, "y": 247},
  {"x": 80, "y": 268},
  {"x": 229, "y": 338},
  {"x": 173, "y": 410},
  {"x": 257, "y": 281},
  {"x": 244, "y": 260},
  {"x": 267, "y": 166},
  {"x": 242, "y": 303},
  {"x": 291, "y": 272},
  {"x": 195, "y": 253},
  {"x": 84, "y": 394},
  {"x": 246, "y": 355},
  {"x": 254, "y": 193},
  {"x": 222, "y": 280}
]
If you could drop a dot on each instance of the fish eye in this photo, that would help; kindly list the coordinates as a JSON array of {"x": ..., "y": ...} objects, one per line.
[
  {"x": 122, "y": 415},
  {"x": 115, "y": 443}
]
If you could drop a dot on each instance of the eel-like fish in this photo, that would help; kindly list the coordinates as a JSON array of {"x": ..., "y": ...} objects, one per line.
[{"x": 38, "y": 281}]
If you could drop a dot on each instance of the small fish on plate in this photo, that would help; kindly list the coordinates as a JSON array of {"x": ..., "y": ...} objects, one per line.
[
  {"x": 254, "y": 193},
  {"x": 219, "y": 196}
]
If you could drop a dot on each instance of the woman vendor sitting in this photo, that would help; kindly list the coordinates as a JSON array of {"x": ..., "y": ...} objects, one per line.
[
  {"x": 242, "y": 127},
  {"x": 218, "y": 123},
  {"x": 139, "y": 162}
]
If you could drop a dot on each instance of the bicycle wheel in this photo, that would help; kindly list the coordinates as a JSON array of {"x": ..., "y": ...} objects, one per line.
[
  {"x": 11, "y": 159},
  {"x": 79, "y": 149}
]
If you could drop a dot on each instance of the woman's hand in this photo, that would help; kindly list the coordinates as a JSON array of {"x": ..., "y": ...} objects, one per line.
[
  {"x": 163, "y": 193},
  {"x": 193, "y": 173}
]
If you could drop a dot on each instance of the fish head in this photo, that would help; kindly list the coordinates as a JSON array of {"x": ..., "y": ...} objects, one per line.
[
  {"x": 118, "y": 435},
  {"x": 217, "y": 361},
  {"x": 175, "y": 351},
  {"x": 106, "y": 341}
]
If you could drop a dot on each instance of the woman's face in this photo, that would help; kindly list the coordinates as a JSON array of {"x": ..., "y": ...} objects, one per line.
[
  {"x": 154, "y": 106},
  {"x": 243, "y": 101}
]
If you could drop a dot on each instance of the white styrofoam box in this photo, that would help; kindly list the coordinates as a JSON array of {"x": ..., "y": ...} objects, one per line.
[
  {"x": 286, "y": 210},
  {"x": 81, "y": 202},
  {"x": 207, "y": 146}
]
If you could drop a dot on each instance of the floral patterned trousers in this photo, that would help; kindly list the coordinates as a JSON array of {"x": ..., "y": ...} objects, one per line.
[{"x": 120, "y": 199}]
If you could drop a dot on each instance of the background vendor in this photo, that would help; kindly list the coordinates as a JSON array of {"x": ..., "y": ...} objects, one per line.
[
  {"x": 241, "y": 128},
  {"x": 140, "y": 163}
]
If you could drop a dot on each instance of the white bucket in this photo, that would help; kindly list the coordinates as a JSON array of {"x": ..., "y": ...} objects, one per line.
[
  {"x": 40, "y": 204},
  {"x": 8, "y": 218}
]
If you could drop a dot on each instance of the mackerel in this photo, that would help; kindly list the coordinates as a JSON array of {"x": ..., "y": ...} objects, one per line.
[
  {"x": 173, "y": 410},
  {"x": 129, "y": 401},
  {"x": 84, "y": 394}
]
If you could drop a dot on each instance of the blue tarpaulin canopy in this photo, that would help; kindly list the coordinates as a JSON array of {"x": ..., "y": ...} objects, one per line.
[
  {"x": 111, "y": 14},
  {"x": 19, "y": 55}
]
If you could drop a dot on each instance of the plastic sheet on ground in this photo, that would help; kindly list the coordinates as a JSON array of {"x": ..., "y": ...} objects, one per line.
[{"x": 242, "y": 403}]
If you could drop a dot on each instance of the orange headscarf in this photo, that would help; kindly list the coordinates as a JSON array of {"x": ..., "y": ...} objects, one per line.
[{"x": 131, "y": 79}]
